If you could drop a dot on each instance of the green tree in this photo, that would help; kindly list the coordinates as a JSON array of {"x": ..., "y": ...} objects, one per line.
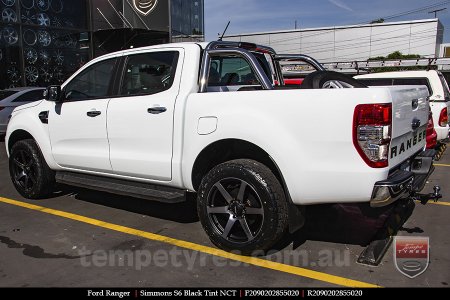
[{"x": 398, "y": 55}]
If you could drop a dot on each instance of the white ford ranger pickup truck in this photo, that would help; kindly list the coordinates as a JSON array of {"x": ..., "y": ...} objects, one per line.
[{"x": 216, "y": 120}]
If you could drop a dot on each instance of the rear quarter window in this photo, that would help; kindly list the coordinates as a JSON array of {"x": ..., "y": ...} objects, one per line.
[{"x": 414, "y": 81}]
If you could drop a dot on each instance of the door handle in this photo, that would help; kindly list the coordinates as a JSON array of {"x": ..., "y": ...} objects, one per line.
[
  {"x": 156, "y": 110},
  {"x": 93, "y": 113}
]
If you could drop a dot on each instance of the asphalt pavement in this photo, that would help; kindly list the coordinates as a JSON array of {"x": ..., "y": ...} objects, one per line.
[{"x": 82, "y": 238}]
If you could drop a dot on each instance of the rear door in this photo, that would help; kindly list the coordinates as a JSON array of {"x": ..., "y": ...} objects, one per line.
[{"x": 140, "y": 120}]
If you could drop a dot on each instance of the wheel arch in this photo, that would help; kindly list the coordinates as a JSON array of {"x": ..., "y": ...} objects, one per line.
[{"x": 18, "y": 135}]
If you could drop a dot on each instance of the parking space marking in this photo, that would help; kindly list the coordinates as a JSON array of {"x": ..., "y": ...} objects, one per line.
[
  {"x": 259, "y": 262},
  {"x": 439, "y": 203},
  {"x": 441, "y": 165}
]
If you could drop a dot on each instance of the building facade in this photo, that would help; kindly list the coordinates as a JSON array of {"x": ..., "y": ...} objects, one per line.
[
  {"x": 354, "y": 43},
  {"x": 43, "y": 42}
]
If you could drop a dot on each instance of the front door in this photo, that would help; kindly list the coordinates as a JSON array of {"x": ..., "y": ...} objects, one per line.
[
  {"x": 78, "y": 125},
  {"x": 140, "y": 121}
]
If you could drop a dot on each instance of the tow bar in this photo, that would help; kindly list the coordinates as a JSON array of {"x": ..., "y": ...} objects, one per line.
[{"x": 425, "y": 198}]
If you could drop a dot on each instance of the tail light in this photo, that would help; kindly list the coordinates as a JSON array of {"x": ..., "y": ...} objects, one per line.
[
  {"x": 372, "y": 129},
  {"x": 443, "y": 118}
]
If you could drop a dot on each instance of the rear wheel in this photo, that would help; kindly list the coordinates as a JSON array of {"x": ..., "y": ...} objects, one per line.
[
  {"x": 29, "y": 172},
  {"x": 330, "y": 80},
  {"x": 242, "y": 207}
]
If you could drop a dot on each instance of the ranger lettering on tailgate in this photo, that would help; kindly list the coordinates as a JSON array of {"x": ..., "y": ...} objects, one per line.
[{"x": 398, "y": 150}]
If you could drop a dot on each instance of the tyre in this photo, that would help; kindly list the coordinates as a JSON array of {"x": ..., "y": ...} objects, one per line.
[
  {"x": 330, "y": 80},
  {"x": 242, "y": 207},
  {"x": 29, "y": 172}
]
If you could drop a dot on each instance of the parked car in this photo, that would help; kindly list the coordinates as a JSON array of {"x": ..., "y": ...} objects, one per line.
[
  {"x": 11, "y": 98},
  {"x": 158, "y": 121},
  {"x": 431, "y": 133},
  {"x": 437, "y": 87}
]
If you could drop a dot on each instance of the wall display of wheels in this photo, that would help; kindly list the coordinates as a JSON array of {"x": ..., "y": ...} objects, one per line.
[
  {"x": 13, "y": 74},
  {"x": 46, "y": 74},
  {"x": 29, "y": 37},
  {"x": 10, "y": 35},
  {"x": 28, "y": 17},
  {"x": 43, "y": 5},
  {"x": 31, "y": 55},
  {"x": 9, "y": 15},
  {"x": 43, "y": 19},
  {"x": 44, "y": 57},
  {"x": 37, "y": 46},
  {"x": 27, "y": 4},
  {"x": 44, "y": 38},
  {"x": 31, "y": 74},
  {"x": 9, "y": 3}
]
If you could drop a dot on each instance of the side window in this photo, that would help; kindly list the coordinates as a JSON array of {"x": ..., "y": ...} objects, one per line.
[
  {"x": 149, "y": 73},
  {"x": 414, "y": 81},
  {"x": 92, "y": 83},
  {"x": 231, "y": 71},
  {"x": 30, "y": 96}
]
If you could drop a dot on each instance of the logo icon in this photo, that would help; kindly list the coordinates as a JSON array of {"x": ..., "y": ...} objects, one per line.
[
  {"x": 411, "y": 255},
  {"x": 144, "y": 7}
]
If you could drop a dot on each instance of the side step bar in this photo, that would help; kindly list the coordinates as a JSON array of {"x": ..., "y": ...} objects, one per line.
[{"x": 122, "y": 187}]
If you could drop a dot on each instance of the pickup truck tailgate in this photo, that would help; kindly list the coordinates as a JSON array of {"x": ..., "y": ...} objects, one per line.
[{"x": 410, "y": 109}]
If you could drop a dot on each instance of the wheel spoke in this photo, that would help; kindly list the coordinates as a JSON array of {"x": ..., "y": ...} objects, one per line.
[
  {"x": 32, "y": 179},
  {"x": 228, "y": 227},
  {"x": 240, "y": 195},
  {"x": 254, "y": 211},
  {"x": 246, "y": 228},
  {"x": 19, "y": 164},
  {"x": 27, "y": 179},
  {"x": 217, "y": 210},
  {"x": 30, "y": 163},
  {"x": 20, "y": 175},
  {"x": 22, "y": 155},
  {"x": 224, "y": 192}
]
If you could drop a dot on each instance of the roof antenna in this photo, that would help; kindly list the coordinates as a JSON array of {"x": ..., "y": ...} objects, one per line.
[{"x": 226, "y": 28}]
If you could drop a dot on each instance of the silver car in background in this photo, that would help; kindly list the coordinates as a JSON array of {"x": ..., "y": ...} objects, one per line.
[{"x": 11, "y": 98}]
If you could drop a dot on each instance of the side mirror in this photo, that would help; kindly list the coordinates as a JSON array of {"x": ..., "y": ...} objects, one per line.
[{"x": 53, "y": 93}]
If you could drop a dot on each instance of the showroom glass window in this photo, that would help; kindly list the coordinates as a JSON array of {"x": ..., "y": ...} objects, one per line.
[
  {"x": 187, "y": 18},
  {"x": 40, "y": 41},
  {"x": 149, "y": 73},
  {"x": 92, "y": 83}
]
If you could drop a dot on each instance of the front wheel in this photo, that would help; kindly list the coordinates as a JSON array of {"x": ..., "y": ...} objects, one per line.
[
  {"x": 242, "y": 207},
  {"x": 29, "y": 172}
]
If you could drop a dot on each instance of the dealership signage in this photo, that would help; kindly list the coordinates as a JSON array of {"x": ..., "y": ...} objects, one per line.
[{"x": 144, "y": 7}]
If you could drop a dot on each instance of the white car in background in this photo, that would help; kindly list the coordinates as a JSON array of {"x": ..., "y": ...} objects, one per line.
[
  {"x": 12, "y": 98},
  {"x": 437, "y": 87}
]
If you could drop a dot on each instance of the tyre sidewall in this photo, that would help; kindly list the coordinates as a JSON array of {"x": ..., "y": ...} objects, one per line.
[
  {"x": 317, "y": 79},
  {"x": 270, "y": 199},
  {"x": 41, "y": 187}
]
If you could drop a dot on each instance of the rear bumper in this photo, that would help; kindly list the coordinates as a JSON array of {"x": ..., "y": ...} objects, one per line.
[{"x": 410, "y": 178}]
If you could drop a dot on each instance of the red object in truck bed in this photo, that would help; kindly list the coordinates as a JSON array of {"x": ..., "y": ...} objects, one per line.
[{"x": 293, "y": 81}]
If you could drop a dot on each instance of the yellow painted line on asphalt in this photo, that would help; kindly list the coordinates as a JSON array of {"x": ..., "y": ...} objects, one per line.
[
  {"x": 441, "y": 165},
  {"x": 337, "y": 280},
  {"x": 438, "y": 203}
]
